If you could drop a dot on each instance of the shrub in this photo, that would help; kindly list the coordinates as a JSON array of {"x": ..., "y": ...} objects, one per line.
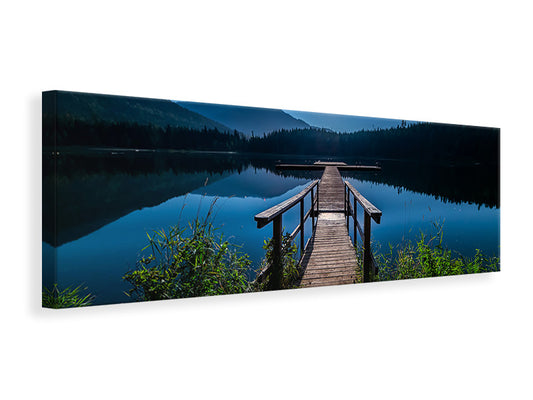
[
  {"x": 429, "y": 258},
  {"x": 290, "y": 272},
  {"x": 189, "y": 262}
]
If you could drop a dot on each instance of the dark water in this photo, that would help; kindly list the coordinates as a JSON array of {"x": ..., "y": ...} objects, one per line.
[{"x": 107, "y": 202}]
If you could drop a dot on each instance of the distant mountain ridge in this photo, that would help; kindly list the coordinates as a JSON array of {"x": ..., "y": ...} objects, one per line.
[
  {"x": 247, "y": 120},
  {"x": 91, "y": 107}
]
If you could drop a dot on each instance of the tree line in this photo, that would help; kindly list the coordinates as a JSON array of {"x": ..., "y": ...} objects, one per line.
[
  {"x": 74, "y": 132},
  {"x": 429, "y": 142},
  {"x": 422, "y": 142}
]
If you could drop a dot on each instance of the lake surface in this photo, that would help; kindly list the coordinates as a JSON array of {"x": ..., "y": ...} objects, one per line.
[{"x": 106, "y": 203}]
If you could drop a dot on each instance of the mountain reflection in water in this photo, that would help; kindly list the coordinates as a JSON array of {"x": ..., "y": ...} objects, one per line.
[{"x": 106, "y": 202}]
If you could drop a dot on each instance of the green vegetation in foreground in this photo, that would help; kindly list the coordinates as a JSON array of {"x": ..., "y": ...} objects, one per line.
[
  {"x": 429, "y": 258},
  {"x": 195, "y": 261},
  {"x": 66, "y": 298},
  {"x": 189, "y": 262},
  {"x": 290, "y": 272}
]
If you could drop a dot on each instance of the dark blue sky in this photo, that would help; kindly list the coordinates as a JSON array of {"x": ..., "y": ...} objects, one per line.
[
  {"x": 259, "y": 120},
  {"x": 343, "y": 123}
]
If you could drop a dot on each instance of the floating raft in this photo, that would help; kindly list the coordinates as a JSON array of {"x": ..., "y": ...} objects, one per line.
[{"x": 320, "y": 165}]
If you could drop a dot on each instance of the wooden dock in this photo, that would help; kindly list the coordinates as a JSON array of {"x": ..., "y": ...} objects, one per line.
[
  {"x": 329, "y": 257},
  {"x": 320, "y": 165},
  {"x": 331, "y": 191}
]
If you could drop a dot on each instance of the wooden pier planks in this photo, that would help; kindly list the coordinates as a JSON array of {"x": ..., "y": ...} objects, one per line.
[
  {"x": 330, "y": 258},
  {"x": 331, "y": 191}
]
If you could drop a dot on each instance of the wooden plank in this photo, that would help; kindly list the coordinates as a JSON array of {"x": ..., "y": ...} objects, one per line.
[
  {"x": 328, "y": 282},
  {"x": 318, "y": 269},
  {"x": 276, "y": 269},
  {"x": 328, "y": 250},
  {"x": 331, "y": 191},
  {"x": 367, "y": 271},
  {"x": 337, "y": 275},
  {"x": 342, "y": 266},
  {"x": 329, "y": 258},
  {"x": 344, "y": 271}
]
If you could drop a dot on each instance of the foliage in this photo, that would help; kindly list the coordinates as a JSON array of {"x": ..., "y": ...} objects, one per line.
[
  {"x": 429, "y": 258},
  {"x": 422, "y": 142},
  {"x": 56, "y": 298},
  {"x": 75, "y": 132},
  {"x": 189, "y": 262},
  {"x": 290, "y": 271}
]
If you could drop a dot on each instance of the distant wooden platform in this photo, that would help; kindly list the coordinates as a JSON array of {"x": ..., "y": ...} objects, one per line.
[
  {"x": 322, "y": 165},
  {"x": 330, "y": 163}
]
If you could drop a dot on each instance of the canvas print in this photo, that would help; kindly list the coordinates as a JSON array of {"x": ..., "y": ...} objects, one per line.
[{"x": 149, "y": 199}]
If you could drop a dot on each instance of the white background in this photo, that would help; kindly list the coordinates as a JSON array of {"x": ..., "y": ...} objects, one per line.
[{"x": 444, "y": 61}]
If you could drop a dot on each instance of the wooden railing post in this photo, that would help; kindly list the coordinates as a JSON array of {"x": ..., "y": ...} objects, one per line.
[
  {"x": 317, "y": 202},
  {"x": 367, "y": 257},
  {"x": 302, "y": 226},
  {"x": 345, "y": 204},
  {"x": 312, "y": 210},
  {"x": 348, "y": 210},
  {"x": 274, "y": 214},
  {"x": 275, "y": 277},
  {"x": 354, "y": 222},
  {"x": 370, "y": 213}
]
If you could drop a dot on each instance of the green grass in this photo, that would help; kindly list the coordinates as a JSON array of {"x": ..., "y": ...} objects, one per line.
[
  {"x": 290, "y": 271},
  {"x": 66, "y": 298},
  {"x": 187, "y": 262},
  {"x": 430, "y": 258}
]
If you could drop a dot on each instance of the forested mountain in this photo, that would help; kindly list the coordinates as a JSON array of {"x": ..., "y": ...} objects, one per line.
[
  {"x": 97, "y": 108},
  {"x": 426, "y": 142},
  {"x": 112, "y": 121},
  {"x": 430, "y": 142},
  {"x": 247, "y": 120}
]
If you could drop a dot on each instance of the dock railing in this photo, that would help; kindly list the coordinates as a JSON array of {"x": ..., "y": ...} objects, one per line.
[
  {"x": 370, "y": 212},
  {"x": 275, "y": 215}
]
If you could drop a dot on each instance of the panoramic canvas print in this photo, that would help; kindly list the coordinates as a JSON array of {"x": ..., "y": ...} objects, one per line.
[{"x": 147, "y": 199}]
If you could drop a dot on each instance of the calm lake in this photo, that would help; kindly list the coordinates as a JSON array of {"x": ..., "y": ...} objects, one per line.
[{"x": 107, "y": 202}]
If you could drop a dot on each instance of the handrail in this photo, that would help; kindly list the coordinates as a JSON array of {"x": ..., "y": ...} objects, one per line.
[
  {"x": 369, "y": 208},
  {"x": 370, "y": 212},
  {"x": 275, "y": 214},
  {"x": 263, "y": 218}
]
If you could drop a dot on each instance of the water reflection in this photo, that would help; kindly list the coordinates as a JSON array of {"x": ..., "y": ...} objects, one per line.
[
  {"x": 107, "y": 202},
  {"x": 96, "y": 188}
]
